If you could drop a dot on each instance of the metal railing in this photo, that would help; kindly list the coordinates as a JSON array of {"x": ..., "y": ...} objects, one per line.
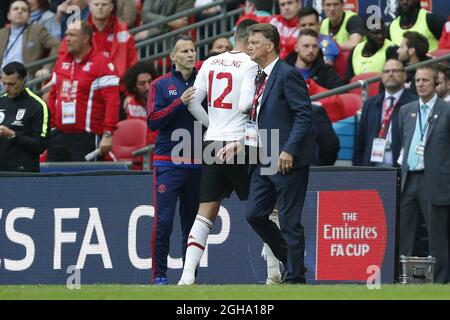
[
  {"x": 206, "y": 31},
  {"x": 186, "y": 13},
  {"x": 363, "y": 83},
  {"x": 147, "y": 48}
]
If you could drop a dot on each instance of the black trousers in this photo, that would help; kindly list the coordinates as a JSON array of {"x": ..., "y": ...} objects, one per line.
[
  {"x": 413, "y": 204},
  {"x": 288, "y": 192},
  {"x": 70, "y": 147}
]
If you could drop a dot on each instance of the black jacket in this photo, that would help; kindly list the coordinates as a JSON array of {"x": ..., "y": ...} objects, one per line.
[
  {"x": 370, "y": 124},
  {"x": 326, "y": 142},
  {"x": 322, "y": 73},
  {"x": 28, "y": 116}
]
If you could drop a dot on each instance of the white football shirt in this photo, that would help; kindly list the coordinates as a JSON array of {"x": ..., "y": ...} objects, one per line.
[{"x": 228, "y": 82}]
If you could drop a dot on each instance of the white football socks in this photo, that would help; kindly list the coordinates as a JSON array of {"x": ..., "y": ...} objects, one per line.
[
  {"x": 195, "y": 247},
  {"x": 273, "y": 265}
]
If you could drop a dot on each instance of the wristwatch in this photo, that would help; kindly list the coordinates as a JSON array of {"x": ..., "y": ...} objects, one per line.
[{"x": 107, "y": 134}]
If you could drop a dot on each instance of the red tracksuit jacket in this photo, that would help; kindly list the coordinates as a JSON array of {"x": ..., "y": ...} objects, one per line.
[{"x": 93, "y": 85}]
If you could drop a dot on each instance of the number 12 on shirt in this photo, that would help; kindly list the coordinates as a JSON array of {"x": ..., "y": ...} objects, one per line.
[{"x": 218, "y": 103}]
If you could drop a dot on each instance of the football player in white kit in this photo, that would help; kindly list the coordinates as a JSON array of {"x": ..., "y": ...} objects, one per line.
[{"x": 228, "y": 82}]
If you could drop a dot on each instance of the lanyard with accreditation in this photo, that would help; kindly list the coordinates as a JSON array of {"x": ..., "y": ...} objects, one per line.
[
  {"x": 381, "y": 144},
  {"x": 251, "y": 131},
  {"x": 423, "y": 133},
  {"x": 68, "y": 107}
]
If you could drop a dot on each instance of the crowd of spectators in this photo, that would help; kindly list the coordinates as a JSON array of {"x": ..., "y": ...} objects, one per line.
[{"x": 98, "y": 64}]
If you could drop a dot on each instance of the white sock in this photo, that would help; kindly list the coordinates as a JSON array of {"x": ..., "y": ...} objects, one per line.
[
  {"x": 196, "y": 245},
  {"x": 273, "y": 265}
]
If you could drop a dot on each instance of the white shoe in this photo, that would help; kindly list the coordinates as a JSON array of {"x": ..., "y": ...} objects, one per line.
[
  {"x": 186, "y": 283},
  {"x": 275, "y": 279}
]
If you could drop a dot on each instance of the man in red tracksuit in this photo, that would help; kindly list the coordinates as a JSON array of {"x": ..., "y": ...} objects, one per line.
[
  {"x": 287, "y": 25},
  {"x": 84, "y": 99},
  {"x": 110, "y": 36}
]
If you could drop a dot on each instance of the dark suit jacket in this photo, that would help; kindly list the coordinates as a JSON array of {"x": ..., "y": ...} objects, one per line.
[
  {"x": 326, "y": 141},
  {"x": 437, "y": 149},
  {"x": 285, "y": 105},
  {"x": 370, "y": 124}
]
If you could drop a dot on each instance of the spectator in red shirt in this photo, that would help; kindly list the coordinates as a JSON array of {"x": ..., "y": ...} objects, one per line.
[
  {"x": 257, "y": 10},
  {"x": 287, "y": 25},
  {"x": 111, "y": 37},
  {"x": 84, "y": 99}
]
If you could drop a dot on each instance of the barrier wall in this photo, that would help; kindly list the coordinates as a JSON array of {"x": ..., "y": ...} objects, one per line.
[{"x": 101, "y": 224}]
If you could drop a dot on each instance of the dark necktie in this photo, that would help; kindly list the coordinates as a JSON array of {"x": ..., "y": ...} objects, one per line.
[{"x": 260, "y": 84}]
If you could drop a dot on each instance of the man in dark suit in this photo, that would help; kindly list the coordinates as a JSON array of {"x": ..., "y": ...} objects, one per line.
[
  {"x": 326, "y": 141},
  {"x": 282, "y": 115},
  {"x": 378, "y": 126},
  {"x": 425, "y": 135}
]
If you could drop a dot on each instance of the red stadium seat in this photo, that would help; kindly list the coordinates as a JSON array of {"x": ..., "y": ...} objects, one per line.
[
  {"x": 43, "y": 156},
  {"x": 439, "y": 52},
  {"x": 340, "y": 64},
  {"x": 131, "y": 135},
  {"x": 374, "y": 88},
  {"x": 352, "y": 103}
]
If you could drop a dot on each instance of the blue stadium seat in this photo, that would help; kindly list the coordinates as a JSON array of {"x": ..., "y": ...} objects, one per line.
[{"x": 345, "y": 130}]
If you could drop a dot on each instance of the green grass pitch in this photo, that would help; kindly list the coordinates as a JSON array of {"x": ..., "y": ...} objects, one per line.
[{"x": 226, "y": 292}]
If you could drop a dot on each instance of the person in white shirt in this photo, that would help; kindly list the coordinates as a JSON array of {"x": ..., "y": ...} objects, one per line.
[{"x": 228, "y": 82}]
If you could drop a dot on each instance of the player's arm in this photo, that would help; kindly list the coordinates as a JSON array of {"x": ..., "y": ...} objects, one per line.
[
  {"x": 195, "y": 106},
  {"x": 248, "y": 89},
  {"x": 196, "y": 109}
]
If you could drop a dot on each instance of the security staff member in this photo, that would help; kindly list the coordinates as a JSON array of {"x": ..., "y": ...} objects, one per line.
[
  {"x": 345, "y": 27},
  {"x": 24, "y": 121},
  {"x": 372, "y": 54},
  {"x": 412, "y": 18}
]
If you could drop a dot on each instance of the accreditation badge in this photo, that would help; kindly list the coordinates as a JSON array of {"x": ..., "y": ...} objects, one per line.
[
  {"x": 251, "y": 134},
  {"x": 378, "y": 148},
  {"x": 68, "y": 112},
  {"x": 420, "y": 150}
]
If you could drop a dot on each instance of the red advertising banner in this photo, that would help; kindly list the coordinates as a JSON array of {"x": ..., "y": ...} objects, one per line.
[{"x": 351, "y": 234}]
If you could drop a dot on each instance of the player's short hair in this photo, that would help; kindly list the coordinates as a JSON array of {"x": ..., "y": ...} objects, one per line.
[
  {"x": 15, "y": 67},
  {"x": 180, "y": 37},
  {"x": 417, "y": 41},
  {"x": 242, "y": 31},
  {"x": 308, "y": 32},
  {"x": 269, "y": 32},
  {"x": 308, "y": 11}
]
